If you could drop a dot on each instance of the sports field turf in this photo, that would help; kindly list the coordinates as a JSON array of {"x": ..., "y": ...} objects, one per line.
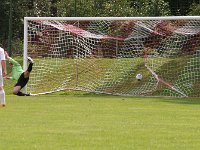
[{"x": 99, "y": 122}]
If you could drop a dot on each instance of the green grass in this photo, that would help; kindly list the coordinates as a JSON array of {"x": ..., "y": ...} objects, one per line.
[{"x": 79, "y": 121}]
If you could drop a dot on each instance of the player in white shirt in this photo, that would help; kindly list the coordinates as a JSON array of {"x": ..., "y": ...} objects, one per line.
[{"x": 3, "y": 73}]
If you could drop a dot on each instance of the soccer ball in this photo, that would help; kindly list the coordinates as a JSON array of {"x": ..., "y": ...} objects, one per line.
[{"x": 138, "y": 77}]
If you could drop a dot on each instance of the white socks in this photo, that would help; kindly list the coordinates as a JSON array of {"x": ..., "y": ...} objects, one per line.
[{"x": 2, "y": 96}]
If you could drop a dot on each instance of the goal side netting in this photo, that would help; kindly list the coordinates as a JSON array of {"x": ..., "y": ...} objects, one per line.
[{"x": 104, "y": 55}]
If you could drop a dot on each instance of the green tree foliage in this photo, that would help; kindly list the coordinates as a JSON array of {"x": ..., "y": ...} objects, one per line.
[
  {"x": 151, "y": 7},
  {"x": 194, "y": 10},
  {"x": 4, "y": 21},
  {"x": 85, "y": 8},
  {"x": 95, "y": 8},
  {"x": 180, "y": 7}
]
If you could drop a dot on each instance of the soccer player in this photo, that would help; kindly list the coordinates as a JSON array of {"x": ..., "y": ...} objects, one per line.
[
  {"x": 20, "y": 75},
  {"x": 3, "y": 73}
]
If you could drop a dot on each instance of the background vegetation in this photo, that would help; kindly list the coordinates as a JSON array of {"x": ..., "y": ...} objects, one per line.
[{"x": 12, "y": 13}]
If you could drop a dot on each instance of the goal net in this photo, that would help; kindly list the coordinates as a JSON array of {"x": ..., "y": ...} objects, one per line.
[{"x": 104, "y": 55}]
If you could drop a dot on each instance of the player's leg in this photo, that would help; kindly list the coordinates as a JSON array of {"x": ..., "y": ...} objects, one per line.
[
  {"x": 2, "y": 92},
  {"x": 28, "y": 71},
  {"x": 16, "y": 91},
  {"x": 22, "y": 81},
  {"x": 3, "y": 97}
]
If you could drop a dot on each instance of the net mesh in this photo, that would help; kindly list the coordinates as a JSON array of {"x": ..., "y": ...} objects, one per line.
[{"x": 104, "y": 56}]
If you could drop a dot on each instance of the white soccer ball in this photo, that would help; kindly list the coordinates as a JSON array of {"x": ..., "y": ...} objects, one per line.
[{"x": 138, "y": 76}]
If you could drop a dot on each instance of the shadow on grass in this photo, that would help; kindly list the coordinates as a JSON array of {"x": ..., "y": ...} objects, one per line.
[
  {"x": 192, "y": 101},
  {"x": 81, "y": 94}
]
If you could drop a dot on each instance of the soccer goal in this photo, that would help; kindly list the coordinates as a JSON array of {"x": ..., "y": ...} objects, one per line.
[{"x": 108, "y": 54}]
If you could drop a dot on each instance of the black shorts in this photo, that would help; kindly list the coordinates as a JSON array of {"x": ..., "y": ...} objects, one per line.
[{"x": 22, "y": 81}]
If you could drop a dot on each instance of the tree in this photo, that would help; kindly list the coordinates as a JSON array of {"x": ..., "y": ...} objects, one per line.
[
  {"x": 194, "y": 10},
  {"x": 151, "y": 7},
  {"x": 53, "y": 8},
  {"x": 88, "y": 8},
  {"x": 95, "y": 8},
  {"x": 181, "y": 7},
  {"x": 4, "y": 21}
]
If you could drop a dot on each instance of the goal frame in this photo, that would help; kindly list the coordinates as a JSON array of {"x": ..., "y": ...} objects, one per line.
[{"x": 26, "y": 19}]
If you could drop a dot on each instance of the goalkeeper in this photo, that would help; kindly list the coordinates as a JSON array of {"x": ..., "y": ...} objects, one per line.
[{"x": 19, "y": 75}]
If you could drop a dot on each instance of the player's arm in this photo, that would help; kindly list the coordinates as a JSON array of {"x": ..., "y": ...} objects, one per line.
[
  {"x": 12, "y": 61},
  {"x": 3, "y": 63},
  {"x": 9, "y": 78}
]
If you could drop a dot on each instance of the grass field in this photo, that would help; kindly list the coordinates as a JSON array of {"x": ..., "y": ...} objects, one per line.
[{"x": 79, "y": 121}]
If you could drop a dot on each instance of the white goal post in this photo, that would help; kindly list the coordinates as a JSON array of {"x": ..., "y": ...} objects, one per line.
[{"x": 105, "y": 54}]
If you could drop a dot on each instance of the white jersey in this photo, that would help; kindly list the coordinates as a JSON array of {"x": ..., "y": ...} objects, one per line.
[{"x": 2, "y": 57}]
